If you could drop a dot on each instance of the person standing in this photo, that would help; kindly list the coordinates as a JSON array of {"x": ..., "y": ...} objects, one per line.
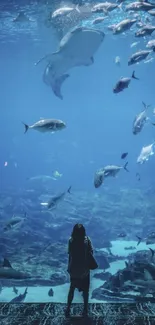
[{"x": 79, "y": 248}]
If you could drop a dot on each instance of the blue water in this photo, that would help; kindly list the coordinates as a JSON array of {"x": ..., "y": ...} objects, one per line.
[{"x": 99, "y": 122}]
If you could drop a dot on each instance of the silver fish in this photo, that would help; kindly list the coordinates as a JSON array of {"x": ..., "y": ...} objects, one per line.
[
  {"x": 123, "y": 83},
  {"x": 138, "y": 56},
  {"x": 110, "y": 170},
  {"x": 140, "y": 120},
  {"x": 56, "y": 199},
  {"x": 146, "y": 153},
  {"x": 123, "y": 26},
  {"x": 49, "y": 125},
  {"x": 144, "y": 31},
  {"x": 104, "y": 7},
  {"x": 151, "y": 44},
  {"x": 140, "y": 6}
]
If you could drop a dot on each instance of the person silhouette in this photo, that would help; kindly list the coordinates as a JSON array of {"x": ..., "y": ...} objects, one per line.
[{"x": 79, "y": 246}]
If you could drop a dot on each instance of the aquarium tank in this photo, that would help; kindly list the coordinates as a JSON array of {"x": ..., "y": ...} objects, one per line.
[{"x": 77, "y": 141}]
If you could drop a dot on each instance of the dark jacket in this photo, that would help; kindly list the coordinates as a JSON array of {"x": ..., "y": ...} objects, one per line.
[{"x": 78, "y": 257}]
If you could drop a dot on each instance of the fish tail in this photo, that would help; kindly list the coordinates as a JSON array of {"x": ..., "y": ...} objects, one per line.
[
  {"x": 152, "y": 252},
  {"x": 146, "y": 106},
  {"x": 26, "y": 291},
  {"x": 125, "y": 167},
  {"x": 139, "y": 240},
  {"x": 133, "y": 76},
  {"x": 26, "y": 127},
  {"x": 69, "y": 190},
  {"x": 153, "y": 49}
]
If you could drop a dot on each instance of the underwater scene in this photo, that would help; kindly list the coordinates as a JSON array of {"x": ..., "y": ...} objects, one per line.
[{"x": 77, "y": 141}]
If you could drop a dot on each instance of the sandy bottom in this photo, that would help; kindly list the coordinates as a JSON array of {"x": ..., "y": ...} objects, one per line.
[{"x": 40, "y": 294}]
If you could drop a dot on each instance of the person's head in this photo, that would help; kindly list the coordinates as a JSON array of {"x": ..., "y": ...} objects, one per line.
[{"x": 79, "y": 231}]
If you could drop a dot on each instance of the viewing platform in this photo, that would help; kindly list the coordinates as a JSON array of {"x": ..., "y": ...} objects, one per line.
[{"x": 99, "y": 314}]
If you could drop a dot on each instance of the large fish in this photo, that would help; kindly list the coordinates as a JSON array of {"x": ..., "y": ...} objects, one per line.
[
  {"x": 77, "y": 48},
  {"x": 7, "y": 272},
  {"x": 56, "y": 199},
  {"x": 123, "y": 83},
  {"x": 110, "y": 170},
  {"x": 139, "y": 56},
  {"x": 47, "y": 125},
  {"x": 19, "y": 298}
]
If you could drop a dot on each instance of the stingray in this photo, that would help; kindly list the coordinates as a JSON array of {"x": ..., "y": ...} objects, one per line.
[{"x": 77, "y": 48}]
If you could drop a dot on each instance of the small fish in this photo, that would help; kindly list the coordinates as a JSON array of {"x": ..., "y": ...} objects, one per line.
[
  {"x": 134, "y": 44},
  {"x": 51, "y": 293},
  {"x": 122, "y": 235},
  {"x": 123, "y": 26},
  {"x": 124, "y": 155},
  {"x": 139, "y": 6},
  {"x": 19, "y": 298},
  {"x": 145, "y": 153},
  {"x": 98, "y": 20},
  {"x": 151, "y": 12},
  {"x": 49, "y": 125},
  {"x": 64, "y": 11},
  {"x": 123, "y": 83},
  {"x": 144, "y": 31},
  {"x": 104, "y": 7},
  {"x": 56, "y": 199},
  {"x": 140, "y": 120},
  {"x": 117, "y": 60}
]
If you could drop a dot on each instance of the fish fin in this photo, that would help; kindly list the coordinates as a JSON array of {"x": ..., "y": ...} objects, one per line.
[
  {"x": 56, "y": 85},
  {"x": 146, "y": 106},
  {"x": 120, "y": 6},
  {"x": 6, "y": 263},
  {"x": 147, "y": 275},
  {"x": 139, "y": 240},
  {"x": 127, "y": 264},
  {"x": 69, "y": 190},
  {"x": 48, "y": 57},
  {"x": 152, "y": 252},
  {"x": 77, "y": 8},
  {"x": 77, "y": 30},
  {"x": 90, "y": 61},
  {"x": 26, "y": 127},
  {"x": 25, "y": 293},
  {"x": 133, "y": 76},
  {"x": 125, "y": 166}
]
